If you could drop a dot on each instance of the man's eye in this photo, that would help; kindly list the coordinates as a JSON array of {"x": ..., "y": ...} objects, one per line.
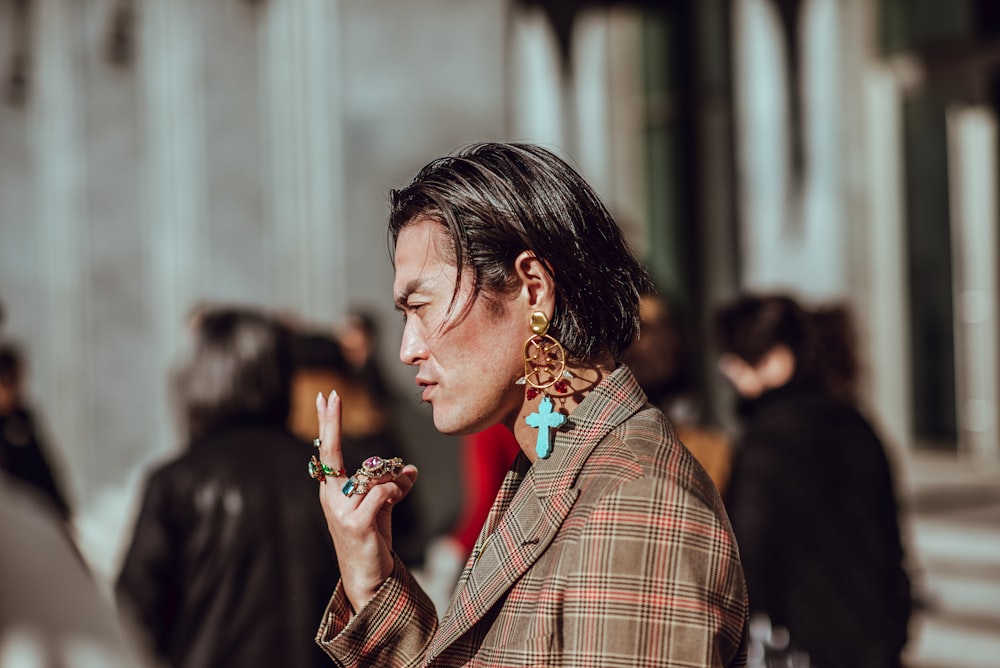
[{"x": 411, "y": 308}]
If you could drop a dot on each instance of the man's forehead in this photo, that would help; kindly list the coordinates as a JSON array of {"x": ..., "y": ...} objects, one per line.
[
  {"x": 417, "y": 244},
  {"x": 419, "y": 261}
]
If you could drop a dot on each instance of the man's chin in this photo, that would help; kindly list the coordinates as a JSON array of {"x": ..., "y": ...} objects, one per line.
[
  {"x": 450, "y": 427},
  {"x": 451, "y": 430}
]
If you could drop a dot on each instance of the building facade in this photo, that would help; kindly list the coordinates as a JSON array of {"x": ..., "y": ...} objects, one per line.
[{"x": 157, "y": 155}]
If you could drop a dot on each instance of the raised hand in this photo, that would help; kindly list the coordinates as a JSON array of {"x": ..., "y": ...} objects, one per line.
[{"x": 358, "y": 516}]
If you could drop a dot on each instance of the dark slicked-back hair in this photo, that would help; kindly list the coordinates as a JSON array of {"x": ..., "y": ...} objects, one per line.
[
  {"x": 239, "y": 372},
  {"x": 494, "y": 201}
]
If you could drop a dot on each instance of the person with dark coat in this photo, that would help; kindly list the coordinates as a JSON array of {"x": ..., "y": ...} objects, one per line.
[
  {"x": 811, "y": 497},
  {"x": 230, "y": 562},
  {"x": 24, "y": 452}
]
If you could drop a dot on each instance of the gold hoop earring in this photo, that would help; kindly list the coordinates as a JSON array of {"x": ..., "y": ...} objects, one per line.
[
  {"x": 544, "y": 360},
  {"x": 544, "y": 367}
]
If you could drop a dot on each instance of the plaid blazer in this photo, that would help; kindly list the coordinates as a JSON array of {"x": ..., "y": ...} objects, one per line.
[{"x": 615, "y": 551}]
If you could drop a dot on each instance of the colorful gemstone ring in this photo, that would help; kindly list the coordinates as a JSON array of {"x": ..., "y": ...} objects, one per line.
[
  {"x": 319, "y": 471},
  {"x": 371, "y": 469}
]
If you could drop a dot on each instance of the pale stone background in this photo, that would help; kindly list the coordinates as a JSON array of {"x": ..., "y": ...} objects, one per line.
[{"x": 244, "y": 149}]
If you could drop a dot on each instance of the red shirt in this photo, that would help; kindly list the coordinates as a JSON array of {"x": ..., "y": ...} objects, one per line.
[{"x": 486, "y": 458}]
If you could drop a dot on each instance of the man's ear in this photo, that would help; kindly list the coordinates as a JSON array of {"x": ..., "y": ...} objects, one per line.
[
  {"x": 777, "y": 366},
  {"x": 537, "y": 285}
]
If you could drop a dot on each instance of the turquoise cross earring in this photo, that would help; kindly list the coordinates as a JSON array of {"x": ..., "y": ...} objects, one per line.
[
  {"x": 545, "y": 420},
  {"x": 544, "y": 368}
]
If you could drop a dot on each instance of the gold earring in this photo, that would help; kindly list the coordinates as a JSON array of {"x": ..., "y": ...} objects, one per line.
[
  {"x": 544, "y": 367},
  {"x": 544, "y": 359}
]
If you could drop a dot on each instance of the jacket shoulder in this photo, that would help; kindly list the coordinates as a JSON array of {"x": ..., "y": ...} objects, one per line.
[{"x": 646, "y": 446}]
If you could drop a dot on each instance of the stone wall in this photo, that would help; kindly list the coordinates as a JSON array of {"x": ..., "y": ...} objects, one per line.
[{"x": 239, "y": 152}]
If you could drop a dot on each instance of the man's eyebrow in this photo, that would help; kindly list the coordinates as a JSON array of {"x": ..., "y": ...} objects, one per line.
[{"x": 408, "y": 290}]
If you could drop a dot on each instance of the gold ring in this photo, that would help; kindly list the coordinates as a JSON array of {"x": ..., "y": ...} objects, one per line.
[
  {"x": 319, "y": 471},
  {"x": 371, "y": 469}
]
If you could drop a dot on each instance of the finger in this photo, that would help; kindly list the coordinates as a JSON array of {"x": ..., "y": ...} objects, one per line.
[
  {"x": 391, "y": 490},
  {"x": 362, "y": 490},
  {"x": 328, "y": 412},
  {"x": 407, "y": 478},
  {"x": 404, "y": 480}
]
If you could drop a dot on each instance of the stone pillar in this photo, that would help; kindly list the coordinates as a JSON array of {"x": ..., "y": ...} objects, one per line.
[
  {"x": 61, "y": 355},
  {"x": 793, "y": 235},
  {"x": 824, "y": 251},
  {"x": 762, "y": 144},
  {"x": 972, "y": 169},
  {"x": 302, "y": 89},
  {"x": 884, "y": 247},
  {"x": 628, "y": 187},
  {"x": 173, "y": 118},
  {"x": 537, "y": 84},
  {"x": 608, "y": 106},
  {"x": 591, "y": 99}
]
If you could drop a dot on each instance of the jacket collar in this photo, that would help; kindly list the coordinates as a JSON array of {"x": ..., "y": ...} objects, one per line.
[
  {"x": 617, "y": 398},
  {"x": 532, "y": 504}
]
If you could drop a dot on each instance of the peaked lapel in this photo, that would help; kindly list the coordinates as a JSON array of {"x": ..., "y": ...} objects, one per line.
[
  {"x": 532, "y": 504},
  {"x": 526, "y": 530}
]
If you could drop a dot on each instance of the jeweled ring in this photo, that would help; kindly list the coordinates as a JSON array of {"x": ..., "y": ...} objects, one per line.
[
  {"x": 371, "y": 469},
  {"x": 317, "y": 442},
  {"x": 319, "y": 471}
]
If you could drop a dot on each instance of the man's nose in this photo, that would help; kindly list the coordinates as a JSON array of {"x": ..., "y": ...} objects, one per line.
[{"x": 413, "y": 347}]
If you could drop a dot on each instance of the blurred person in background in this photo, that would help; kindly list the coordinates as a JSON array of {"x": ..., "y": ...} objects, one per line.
[
  {"x": 663, "y": 360},
  {"x": 52, "y": 613},
  {"x": 607, "y": 544},
  {"x": 230, "y": 561},
  {"x": 24, "y": 452},
  {"x": 811, "y": 496},
  {"x": 358, "y": 337}
]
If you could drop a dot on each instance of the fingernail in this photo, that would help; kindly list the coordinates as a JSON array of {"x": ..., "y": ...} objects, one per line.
[
  {"x": 319, "y": 401},
  {"x": 329, "y": 403}
]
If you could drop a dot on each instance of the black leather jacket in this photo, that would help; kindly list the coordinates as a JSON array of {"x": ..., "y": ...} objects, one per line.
[{"x": 231, "y": 563}]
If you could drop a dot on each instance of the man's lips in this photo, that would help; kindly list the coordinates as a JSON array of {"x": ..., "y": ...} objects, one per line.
[{"x": 428, "y": 387}]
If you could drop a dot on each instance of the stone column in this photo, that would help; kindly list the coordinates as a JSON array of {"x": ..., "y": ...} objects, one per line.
[
  {"x": 762, "y": 143},
  {"x": 793, "y": 234},
  {"x": 884, "y": 248},
  {"x": 537, "y": 85},
  {"x": 608, "y": 106},
  {"x": 302, "y": 88},
  {"x": 972, "y": 169},
  {"x": 173, "y": 114},
  {"x": 61, "y": 355},
  {"x": 591, "y": 99},
  {"x": 823, "y": 255}
]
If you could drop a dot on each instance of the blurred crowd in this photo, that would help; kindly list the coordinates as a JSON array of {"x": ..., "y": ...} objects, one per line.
[{"x": 229, "y": 558}]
